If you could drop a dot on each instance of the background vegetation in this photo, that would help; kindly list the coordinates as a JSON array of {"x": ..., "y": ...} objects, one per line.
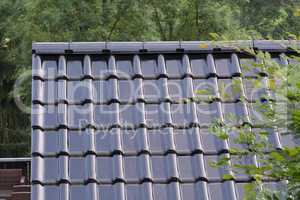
[{"x": 25, "y": 21}]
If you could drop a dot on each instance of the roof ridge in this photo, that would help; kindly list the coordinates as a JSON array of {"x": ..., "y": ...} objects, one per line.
[{"x": 160, "y": 46}]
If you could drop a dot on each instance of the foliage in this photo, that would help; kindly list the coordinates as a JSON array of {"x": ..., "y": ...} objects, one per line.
[{"x": 281, "y": 113}]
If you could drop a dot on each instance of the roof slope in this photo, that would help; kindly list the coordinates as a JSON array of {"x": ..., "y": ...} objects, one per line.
[{"x": 126, "y": 120}]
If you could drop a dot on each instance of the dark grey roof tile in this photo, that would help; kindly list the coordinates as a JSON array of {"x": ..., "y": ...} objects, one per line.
[
  {"x": 106, "y": 192},
  {"x": 37, "y": 135},
  {"x": 50, "y": 68},
  {"x": 187, "y": 168},
  {"x": 103, "y": 142},
  {"x": 51, "y": 170},
  {"x": 161, "y": 64},
  {"x": 133, "y": 192},
  {"x": 79, "y": 91},
  {"x": 130, "y": 141},
  {"x": 231, "y": 89},
  {"x": 256, "y": 89},
  {"x": 112, "y": 68},
  {"x": 87, "y": 66},
  {"x": 194, "y": 191},
  {"x": 205, "y": 89},
  {"x": 112, "y": 89},
  {"x": 152, "y": 114},
  {"x": 174, "y": 67},
  {"x": 44, "y": 116},
  {"x": 149, "y": 67},
  {"x": 179, "y": 112},
  {"x": 172, "y": 165},
  {"x": 61, "y": 90},
  {"x": 160, "y": 191},
  {"x": 134, "y": 141},
  {"x": 175, "y": 89},
  {"x": 236, "y": 68},
  {"x": 127, "y": 115},
  {"x": 159, "y": 168},
  {"x": 257, "y": 113},
  {"x": 211, "y": 143},
  {"x": 156, "y": 140},
  {"x": 62, "y": 67},
  {"x": 79, "y": 116},
  {"x": 166, "y": 191},
  {"x": 186, "y": 65},
  {"x": 137, "y": 93},
  {"x": 37, "y": 91},
  {"x": 202, "y": 67},
  {"x": 227, "y": 66},
  {"x": 137, "y": 70},
  {"x": 75, "y": 67},
  {"x": 249, "y": 67},
  {"x": 106, "y": 115},
  {"x": 183, "y": 140},
  {"x": 224, "y": 190},
  {"x": 124, "y": 66},
  {"x": 76, "y": 142},
  {"x": 99, "y": 67},
  {"x": 215, "y": 173},
  {"x": 289, "y": 140},
  {"x": 100, "y": 91},
  {"x": 104, "y": 168},
  {"x": 152, "y": 89},
  {"x": 126, "y": 90},
  {"x": 79, "y": 142},
  {"x": 132, "y": 168},
  {"x": 235, "y": 113},
  {"x": 62, "y": 117},
  {"x": 117, "y": 167},
  {"x": 77, "y": 169},
  {"x": 224, "y": 67},
  {"x": 51, "y": 142},
  {"x": 187, "y": 88},
  {"x": 37, "y": 70},
  {"x": 51, "y": 192},
  {"x": 78, "y": 192},
  {"x": 208, "y": 113}
]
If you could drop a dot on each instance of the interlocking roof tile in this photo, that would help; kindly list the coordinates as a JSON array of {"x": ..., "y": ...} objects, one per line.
[{"x": 113, "y": 120}]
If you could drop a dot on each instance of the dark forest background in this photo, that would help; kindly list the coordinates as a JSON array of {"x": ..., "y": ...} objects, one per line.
[{"x": 25, "y": 21}]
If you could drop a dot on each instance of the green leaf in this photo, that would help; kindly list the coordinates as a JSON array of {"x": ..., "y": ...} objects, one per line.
[
  {"x": 277, "y": 156},
  {"x": 227, "y": 177}
]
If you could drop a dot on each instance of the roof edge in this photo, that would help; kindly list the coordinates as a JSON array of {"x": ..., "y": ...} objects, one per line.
[{"x": 162, "y": 46}]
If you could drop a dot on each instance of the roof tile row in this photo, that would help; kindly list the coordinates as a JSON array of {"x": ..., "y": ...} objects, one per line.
[
  {"x": 147, "y": 66},
  {"x": 150, "y": 91},
  {"x": 199, "y": 190},
  {"x": 134, "y": 142}
]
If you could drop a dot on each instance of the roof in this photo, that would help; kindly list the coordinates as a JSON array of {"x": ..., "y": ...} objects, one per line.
[{"x": 126, "y": 120}]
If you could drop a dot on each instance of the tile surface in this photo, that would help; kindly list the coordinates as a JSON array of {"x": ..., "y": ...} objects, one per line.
[{"x": 132, "y": 125}]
